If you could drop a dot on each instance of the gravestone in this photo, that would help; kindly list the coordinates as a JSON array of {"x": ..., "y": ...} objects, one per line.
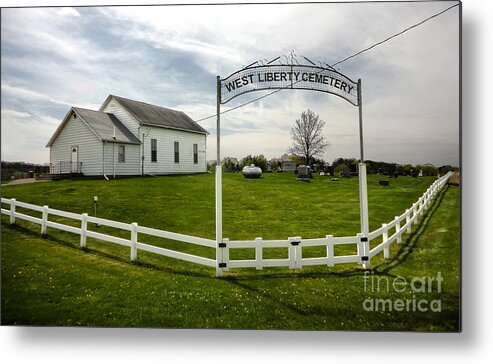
[{"x": 304, "y": 173}]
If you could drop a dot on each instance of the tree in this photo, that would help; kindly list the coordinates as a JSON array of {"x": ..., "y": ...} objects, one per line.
[
  {"x": 211, "y": 166},
  {"x": 258, "y": 160},
  {"x": 444, "y": 169},
  {"x": 428, "y": 169},
  {"x": 307, "y": 137},
  {"x": 341, "y": 168},
  {"x": 231, "y": 164}
]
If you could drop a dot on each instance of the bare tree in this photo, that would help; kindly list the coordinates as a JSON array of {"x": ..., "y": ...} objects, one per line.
[{"x": 307, "y": 137}]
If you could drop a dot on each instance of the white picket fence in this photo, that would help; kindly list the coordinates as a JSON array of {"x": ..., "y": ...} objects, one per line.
[
  {"x": 295, "y": 245},
  {"x": 390, "y": 232},
  {"x": 134, "y": 229}
]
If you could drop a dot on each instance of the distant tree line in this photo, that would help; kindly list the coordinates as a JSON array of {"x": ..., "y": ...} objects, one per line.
[
  {"x": 338, "y": 166},
  {"x": 231, "y": 164},
  {"x": 341, "y": 165},
  {"x": 21, "y": 169}
]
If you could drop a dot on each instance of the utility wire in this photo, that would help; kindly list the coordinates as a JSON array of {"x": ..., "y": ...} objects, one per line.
[
  {"x": 396, "y": 35},
  {"x": 341, "y": 61}
]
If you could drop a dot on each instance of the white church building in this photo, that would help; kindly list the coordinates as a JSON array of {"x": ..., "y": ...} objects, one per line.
[{"x": 127, "y": 138}]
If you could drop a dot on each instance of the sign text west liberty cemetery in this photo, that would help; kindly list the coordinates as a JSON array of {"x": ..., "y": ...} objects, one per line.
[{"x": 289, "y": 77}]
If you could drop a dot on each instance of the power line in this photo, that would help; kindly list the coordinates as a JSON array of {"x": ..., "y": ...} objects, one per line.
[
  {"x": 343, "y": 60},
  {"x": 241, "y": 105},
  {"x": 396, "y": 35}
]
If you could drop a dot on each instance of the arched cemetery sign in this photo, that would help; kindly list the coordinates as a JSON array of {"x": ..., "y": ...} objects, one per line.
[
  {"x": 303, "y": 77},
  {"x": 287, "y": 72}
]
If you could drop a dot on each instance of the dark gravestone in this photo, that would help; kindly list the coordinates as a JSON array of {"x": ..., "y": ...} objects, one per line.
[
  {"x": 346, "y": 173},
  {"x": 304, "y": 173}
]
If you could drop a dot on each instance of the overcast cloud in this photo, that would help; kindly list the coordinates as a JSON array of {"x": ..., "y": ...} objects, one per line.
[{"x": 55, "y": 58}]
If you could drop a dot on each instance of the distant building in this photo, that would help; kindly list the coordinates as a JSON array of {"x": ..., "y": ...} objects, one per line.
[{"x": 126, "y": 137}]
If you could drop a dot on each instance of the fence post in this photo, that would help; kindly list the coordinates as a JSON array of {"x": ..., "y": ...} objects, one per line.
[
  {"x": 360, "y": 244},
  {"x": 408, "y": 219},
  {"x": 428, "y": 198},
  {"x": 415, "y": 214},
  {"x": 398, "y": 229},
  {"x": 44, "y": 220},
  {"x": 219, "y": 258},
  {"x": 219, "y": 213},
  {"x": 299, "y": 255},
  {"x": 364, "y": 250},
  {"x": 83, "y": 230},
  {"x": 330, "y": 250},
  {"x": 292, "y": 252},
  {"x": 133, "y": 241},
  {"x": 291, "y": 257},
  {"x": 385, "y": 240},
  {"x": 258, "y": 254},
  {"x": 226, "y": 254},
  {"x": 12, "y": 211}
]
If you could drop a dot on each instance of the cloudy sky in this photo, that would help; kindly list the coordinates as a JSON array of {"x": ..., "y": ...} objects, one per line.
[{"x": 55, "y": 58}]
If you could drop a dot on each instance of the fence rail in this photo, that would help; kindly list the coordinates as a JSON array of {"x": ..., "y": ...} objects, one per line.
[
  {"x": 134, "y": 229},
  {"x": 65, "y": 167},
  {"x": 390, "y": 232}
]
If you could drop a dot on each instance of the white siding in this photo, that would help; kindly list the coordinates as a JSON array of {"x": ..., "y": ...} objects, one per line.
[
  {"x": 90, "y": 147},
  {"x": 165, "y": 147},
  {"x": 130, "y": 167},
  {"x": 165, "y": 152},
  {"x": 123, "y": 115}
]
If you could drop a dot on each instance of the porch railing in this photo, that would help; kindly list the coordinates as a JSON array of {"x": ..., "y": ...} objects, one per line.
[{"x": 65, "y": 167}]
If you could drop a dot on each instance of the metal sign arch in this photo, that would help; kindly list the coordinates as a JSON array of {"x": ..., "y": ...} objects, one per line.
[
  {"x": 300, "y": 77},
  {"x": 267, "y": 76}
]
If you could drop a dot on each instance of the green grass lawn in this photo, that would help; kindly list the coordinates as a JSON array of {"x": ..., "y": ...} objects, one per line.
[
  {"x": 50, "y": 281},
  {"x": 275, "y": 206}
]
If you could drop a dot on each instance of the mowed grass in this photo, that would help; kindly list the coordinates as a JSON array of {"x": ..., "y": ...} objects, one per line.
[
  {"x": 275, "y": 206},
  {"x": 50, "y": 281}
]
